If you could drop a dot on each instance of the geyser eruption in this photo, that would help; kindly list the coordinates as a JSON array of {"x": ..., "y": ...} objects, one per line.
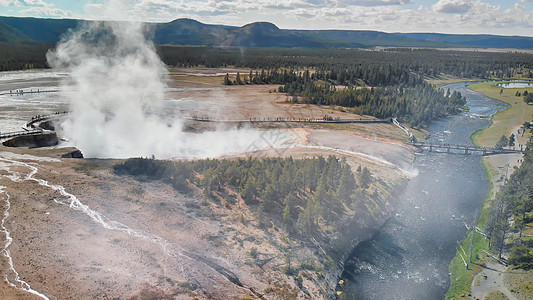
[{"x": 116, "y": 92}]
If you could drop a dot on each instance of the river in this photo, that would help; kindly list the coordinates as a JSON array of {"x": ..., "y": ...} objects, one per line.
[{"x": 409, "y": 257}]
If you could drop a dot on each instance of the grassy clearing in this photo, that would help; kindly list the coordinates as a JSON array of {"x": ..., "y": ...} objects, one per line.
[
  {"x": 461, "y": 277},
  {"x": 504, "y": 121},
  {"x": 444, "y": 81},
  {"x": 419, "y": 133}
]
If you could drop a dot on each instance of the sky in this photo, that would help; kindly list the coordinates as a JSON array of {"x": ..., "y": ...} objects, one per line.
[{"x": 510, "y": 17}]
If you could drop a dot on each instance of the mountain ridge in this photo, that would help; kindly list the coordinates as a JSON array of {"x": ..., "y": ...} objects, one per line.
[{"x": 184, "y": 31}]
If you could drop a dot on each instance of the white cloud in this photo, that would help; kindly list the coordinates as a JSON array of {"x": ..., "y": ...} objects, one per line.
[
  {"x": 47, "y": 11},
  {"x": 482, "y": 17},
  {"x": 452, "y": 6},
  {"x": 19, "y": 3},
  {"x": 35, "y": 3},
  {"x": 373, "y": 2},
  {"x": 38, "y": 8},
  {"x": 9, "y": 3},
  {"x": 458, "y": 16}
]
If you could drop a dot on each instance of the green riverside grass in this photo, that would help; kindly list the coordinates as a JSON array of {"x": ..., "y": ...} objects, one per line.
[{"x": 461, "y": 278}]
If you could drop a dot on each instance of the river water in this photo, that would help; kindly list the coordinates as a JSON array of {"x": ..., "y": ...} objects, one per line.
[{"x": 409, "y": 257}]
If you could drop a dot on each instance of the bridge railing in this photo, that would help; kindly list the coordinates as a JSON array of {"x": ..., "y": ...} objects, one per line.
[{"x": 466, "y": 148}]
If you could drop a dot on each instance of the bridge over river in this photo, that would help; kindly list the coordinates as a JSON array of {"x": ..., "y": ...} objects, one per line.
[{"x": 464, "y": 149}]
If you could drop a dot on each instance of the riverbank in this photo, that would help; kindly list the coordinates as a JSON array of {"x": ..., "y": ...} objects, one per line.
[
  {"x": 440, "y": 82},
  {"x": 506, "y": 121},
  {"x": 466, "y": 282}
]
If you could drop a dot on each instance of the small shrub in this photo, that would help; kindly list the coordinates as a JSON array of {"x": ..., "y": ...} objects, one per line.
[{"x": 253, "y": 252}]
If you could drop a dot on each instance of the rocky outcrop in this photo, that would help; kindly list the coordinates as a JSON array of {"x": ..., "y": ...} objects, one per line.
[
  {"x": 73, "y": 154},
  {"x": 47, "y": 125},
  {"x": 33, "y": 141}
]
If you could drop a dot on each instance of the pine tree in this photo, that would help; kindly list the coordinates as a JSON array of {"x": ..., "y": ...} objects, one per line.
[
  {"x": 503, "y": 142},
  {"x": 365, "y": 179},
  {"x": 289, "y": 212},
  {"x": 270, "y": 198},
  {"x": 227, "y": 81},
  {"x": 347, "y": 184},
  {"x": 238, "y": 79},
  {"x": 249, "y": 192},
  {"x": 512, "y": 140}
]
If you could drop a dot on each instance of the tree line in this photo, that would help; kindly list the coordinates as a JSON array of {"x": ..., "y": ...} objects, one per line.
[
  {"x": 377, "y": 65},
  {"x": 417, "y": 106},
  {"x": 374, "y": 66},
  {"x": 512, "y": 215},
  {"x": 301, "y": 194},
  {"x": 358, "y": 76},
  {"x": 407, "y": 97},
  {"x": 23, "y": 57}
]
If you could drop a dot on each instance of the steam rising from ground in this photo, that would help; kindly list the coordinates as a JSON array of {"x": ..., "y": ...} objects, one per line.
[{"x": 116, "y": 93}]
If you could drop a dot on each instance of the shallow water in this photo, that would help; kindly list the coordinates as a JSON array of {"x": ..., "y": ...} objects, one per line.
[
  {"x": 409, "y": 257},
  {"x": 515, "y": 85}
]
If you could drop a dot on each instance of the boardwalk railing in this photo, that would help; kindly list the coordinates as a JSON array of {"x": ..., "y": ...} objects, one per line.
[
  {"x": 290, "y": 120},
  {"x": 464, "y": 149},
  {"x": 6, "y": 135},
  {"x": 22, "y": 92},
  {"x": 42, "y": 118},
  {"x": 412, "y": 138},
  {"x": 30, "y": 125}
]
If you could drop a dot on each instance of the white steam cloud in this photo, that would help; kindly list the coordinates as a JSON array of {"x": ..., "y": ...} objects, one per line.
[{"x": 116, "y": 92}]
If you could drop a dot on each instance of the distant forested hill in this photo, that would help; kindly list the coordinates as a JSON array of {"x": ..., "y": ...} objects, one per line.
[
  {"x": 40, "y": 30},
  {"x": 260, "y": 35},
  {"x": 474, "y": 40},
  {"x": 25, "y": 41},
  {"x": 368, "y": 38},
  {"x": 254, "y": 35},
  {"x": 9, "y": 34},
  {"x": 19, "y": 51}
]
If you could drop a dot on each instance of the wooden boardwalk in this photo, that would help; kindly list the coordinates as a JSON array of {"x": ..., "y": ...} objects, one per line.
[
  {"x": 22, "y": 92},
  {"x": 30, "y": 126},
  {"x": 292, "y": 120},
  {"x": 431, "y": 147},
  {"x": 31, "y": 130},
  {"x": 7, "y": 135},
  {"x": 41, "y": 118}
]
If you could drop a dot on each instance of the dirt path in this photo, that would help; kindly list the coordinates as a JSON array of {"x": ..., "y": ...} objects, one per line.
[{"x": 491, "y": 280}]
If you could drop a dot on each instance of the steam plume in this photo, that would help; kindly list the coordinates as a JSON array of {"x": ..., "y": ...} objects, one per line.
[{"x": 116, "y": 93}]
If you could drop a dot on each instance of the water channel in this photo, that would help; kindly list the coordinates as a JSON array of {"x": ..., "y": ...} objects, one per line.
[
  {"x": 515, "y": 85},
  {"x": 409, "y": 257}
]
